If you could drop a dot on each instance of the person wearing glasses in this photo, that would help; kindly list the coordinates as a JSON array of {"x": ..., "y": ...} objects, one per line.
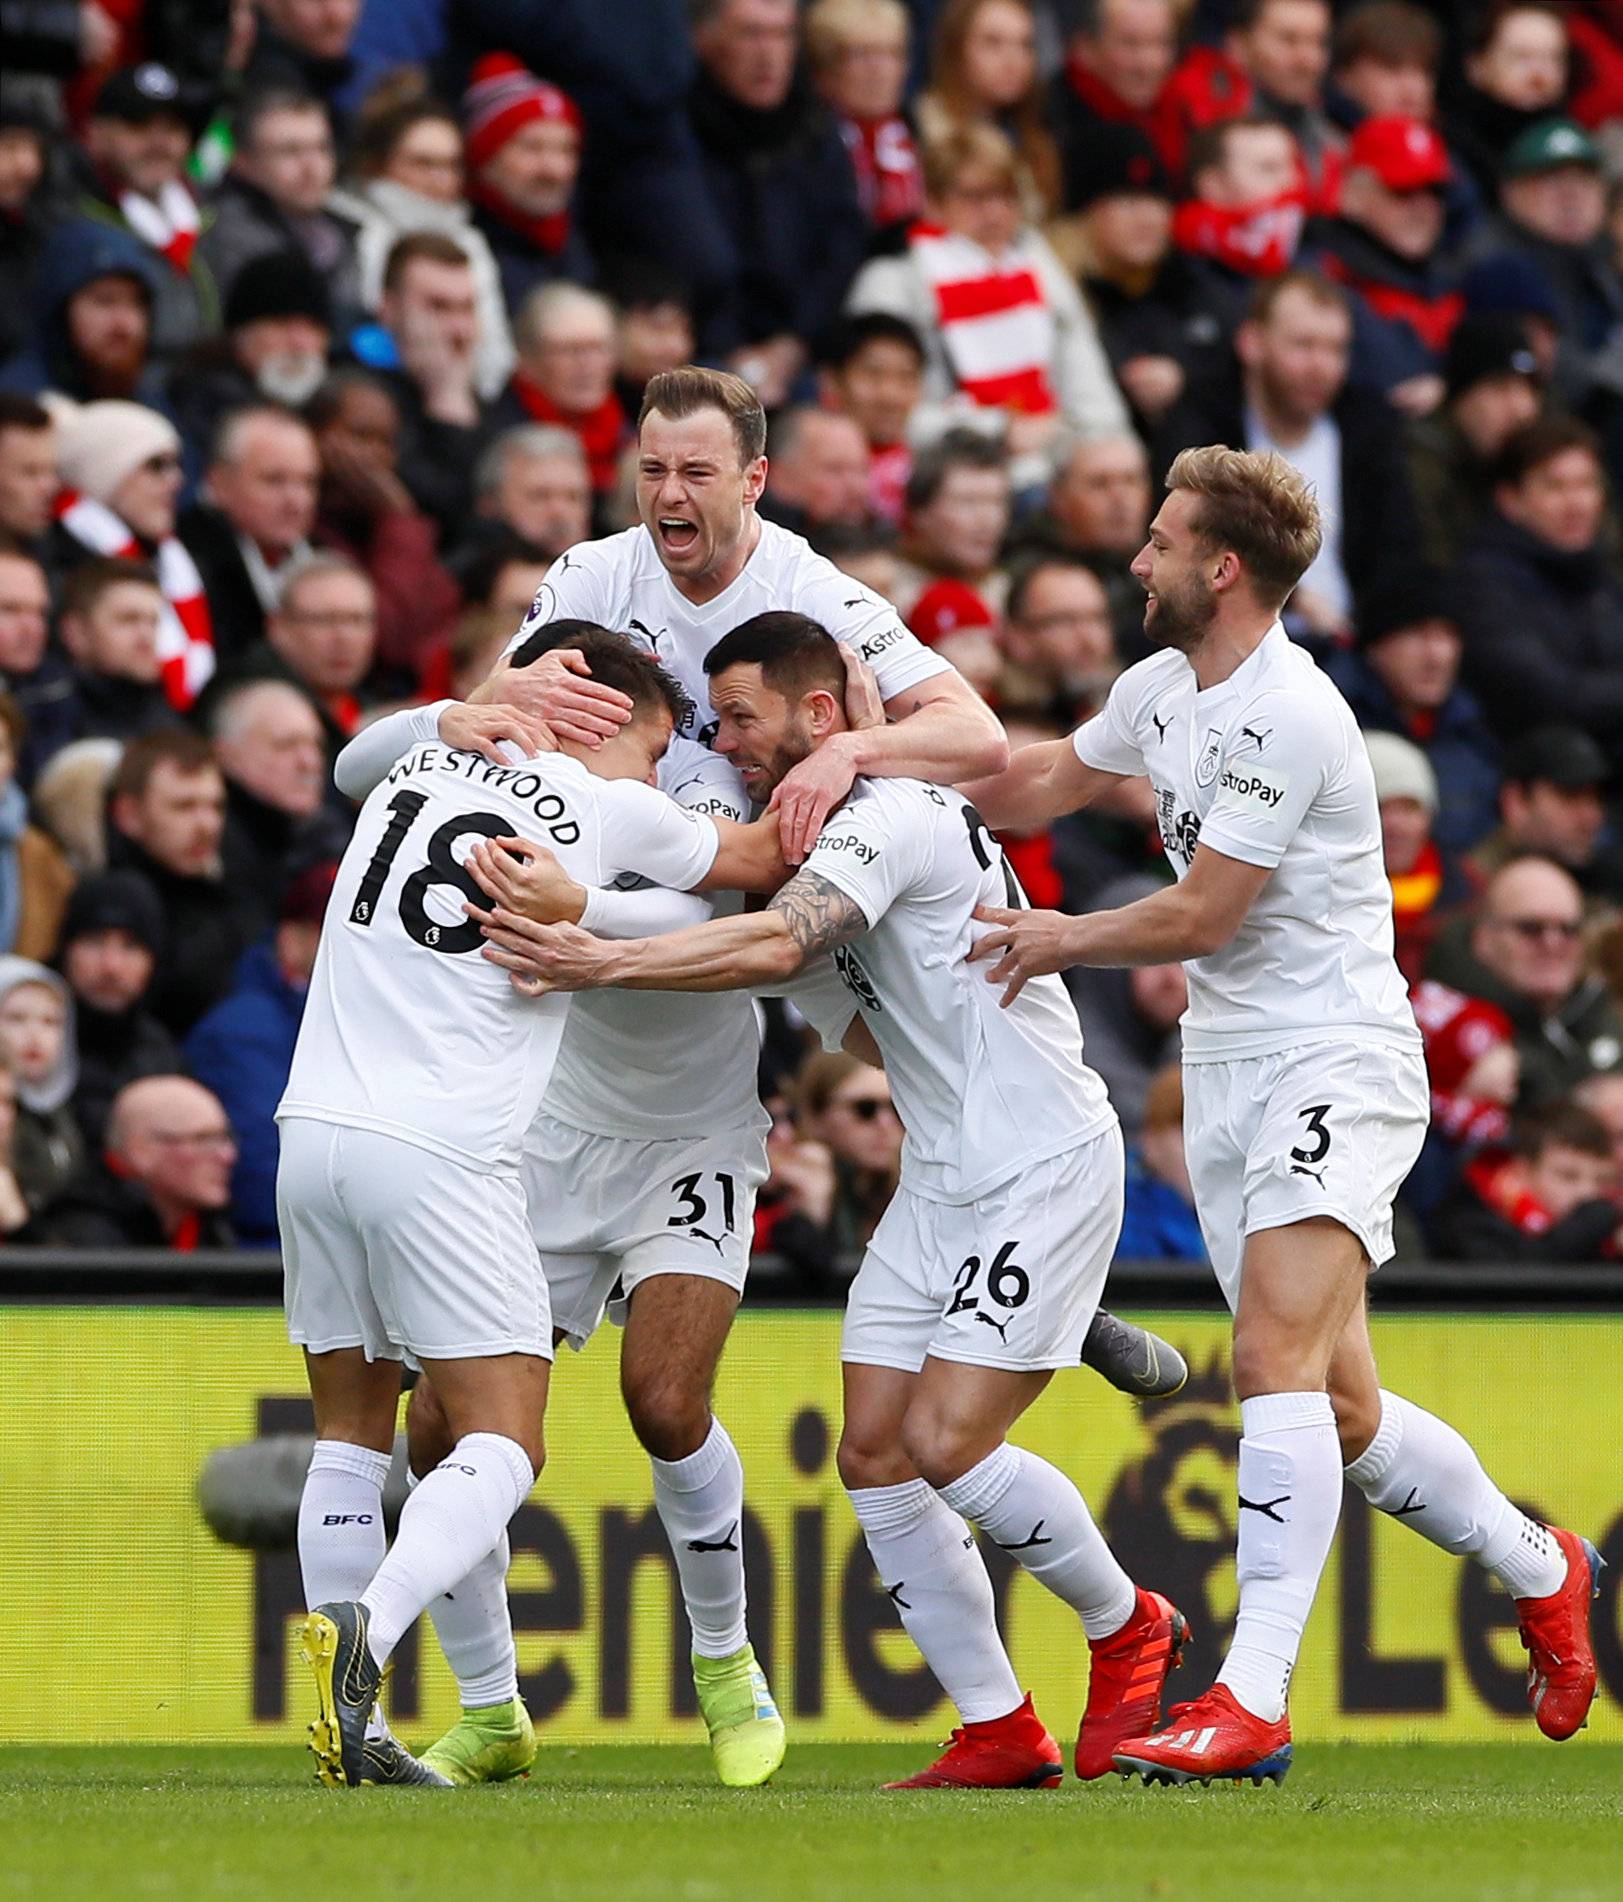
[{"x": 166, "y": 1182}]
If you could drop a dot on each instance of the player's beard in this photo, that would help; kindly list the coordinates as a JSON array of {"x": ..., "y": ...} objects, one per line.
[
  {"x": 1180, "y": 616},
  {"x": 797, "y": 744}
]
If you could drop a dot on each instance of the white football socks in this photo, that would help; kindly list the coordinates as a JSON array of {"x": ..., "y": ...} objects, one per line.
[
  {"x": 928, "y": 1562},
  {"x": 1290, "y": 1500},
  {"x": 1032, "y": 1511},
  {"x": 700, "y": 1500},
  {"x": 452, "y": 1520},
  {"x": 475, "y": 1630},
  {"x": 341, "y": 1536},
  {"x": 1420, "y": 1470}
]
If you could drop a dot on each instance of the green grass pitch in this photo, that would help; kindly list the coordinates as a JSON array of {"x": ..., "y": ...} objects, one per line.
[{"x": 1488, "y": 1823}]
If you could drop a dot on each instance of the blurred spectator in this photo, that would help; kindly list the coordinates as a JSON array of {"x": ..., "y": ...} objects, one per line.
[
  {"x": 303, "y": 45},
  {"x": 69, "y": 800},
  {"x": 1294, "y": 399},
  {"x": 274, "y": 348},
  {"x": 430, "y": 310},
  {"x": 845, "y": 1105},
  {"x": 817, "y": 470},
  {"x": 856, "y": 51},
  {"x": 1383, "y": 248},
  {"x": 1403, "y": 678},
  {"x": 38, "y": 679},
  {"x": 868, "y": 554},
  {"x": 565, "y": 375},
  {"x": 499, "y": 582},
  {"x": 91, "y": 317},
  {"x": 795, "y": 1203},
  {"x": 407, "y": 183},
  {"x": 1472, "y": 1063},
  {"x": 166, "y": 1180},
  {"x": 323, "y": 639},
  {"x": 1526, "y": 955},
  {"x": 274, "y": 199},
  {"x": 533, "y": 481},
  {"x": 1540, "y": 603},
  {"x": 1282, "y": 49},
  {"x": 653, "y": 328},
  {"x": 1505, "y": 284},
  {"x": 253, "y": 524},
  {"x": 1425, "y": 887},
  {"x": 1386, "y": 58},
  {"x": 1146, "y": 297},
  {"x": 1552, "y": 807},
  {"x": 1493, "y": 387},
  {"x": 953, "y": 619},
  {"x": 268, "y": 740},
  {"x": 1041, "y": 367},
  {"x": 111, "y": 611},
  {"x": 243, "y": 1049},
  {"x": 121, "y": 479},
  {"x": 37, "y": 1043},
  {"x": 166, "y": 813},
  {"x": 1547, "y": 1201},
  {"x": 26, "y": 211},
  {"x": 984, "y": 73},
  {"x": 874, "y": 373},
  {"x": 111, "y": 936},
  {"x": 1158, "y": 1220},
  {"x": 137, "y": 140},
  {"x": 957, "y": 516},
  {"x": 14, "y": 1211},
  {"x": 780, "y": 181},
  {"x": 1099, "y": 508},
  {"x": 1516, "y": 74},
  {"x": 1130, "y": 1018},
  {"x": 523, "y": 150},
  {"x": 1119, "y": 71},
  {"x": 35, "y": 878},
  {"x": 1602, "y": 1096},
  {"x": 27, "y": 471},
  {"x": 1245, "y": 217},
  {"x": 366, "y": 512},
  {"x": 1058, "y": 642}
]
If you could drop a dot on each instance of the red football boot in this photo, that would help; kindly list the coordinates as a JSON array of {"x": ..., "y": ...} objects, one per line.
[
  {"x": 1007, "y": 1753},
  {"x": 1128, "y": 1674},
  {"x": 1215, "y": 1736},
  {"x": 1555, "y": 1633}
]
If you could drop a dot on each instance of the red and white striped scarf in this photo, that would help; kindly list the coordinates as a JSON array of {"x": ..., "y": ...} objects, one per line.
[
  {"x": 168, "y": 222},
  {"x": 996, "y": 326},
  {"x": 185, "y": 630}
]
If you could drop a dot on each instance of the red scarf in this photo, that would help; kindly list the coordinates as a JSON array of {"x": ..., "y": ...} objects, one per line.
[
  {"x": 890, "y": 180},
  {"x": 1257, "y": 240},
  {"x": 996, "y": 327},
  {"x": 601, "y": 431},
  {"x": 547, "y": 235},
  {"x": 169, "y": 222},
  {"x": 1432, "y": 319},
  {"x": 1165, "y": 123},
  {"x": 1493, "y": 1177},
  {"x": 185, "y": 629}
]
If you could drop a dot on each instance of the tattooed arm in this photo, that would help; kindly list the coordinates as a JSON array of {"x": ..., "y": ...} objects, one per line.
[{"x": 808, "y": 916}]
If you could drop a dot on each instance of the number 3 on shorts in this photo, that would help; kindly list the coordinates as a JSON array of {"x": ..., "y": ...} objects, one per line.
[{"x": 1314, "y": 1117}]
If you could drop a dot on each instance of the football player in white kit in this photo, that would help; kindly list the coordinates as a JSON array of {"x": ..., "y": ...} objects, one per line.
[
  {"x": 1306, "y": 1098},
  {"x": 985, "y": 1271},
  {"x": 416, "y": 1078}
]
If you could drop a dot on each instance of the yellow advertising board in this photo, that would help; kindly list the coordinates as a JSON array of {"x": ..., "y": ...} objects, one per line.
[{"x": 125, "y": 1620}]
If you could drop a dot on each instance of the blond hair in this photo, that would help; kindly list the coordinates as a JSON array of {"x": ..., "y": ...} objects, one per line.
[
  {"x": 1255, "y": 504},
  {"x": 947, "y": 159},
  {"x": 830, "y": 26}
]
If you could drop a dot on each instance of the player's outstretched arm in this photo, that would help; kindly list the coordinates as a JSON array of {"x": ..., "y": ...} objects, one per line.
[
  {"x": 1042, "y": 783},
  {"x": 496, "y": 733},
  {"x": 1190, "y": 920},
  {"x": 810, "y": 915}
]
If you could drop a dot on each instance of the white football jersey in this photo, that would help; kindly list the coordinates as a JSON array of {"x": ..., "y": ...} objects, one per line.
[
  {"x": 407, "y": 1029},
  {"x": 1268, "y": 767},
  {"x": 659, "y": 1064},
  {"x": 981, "y": 1091},
  {"x": 620, "y": 583}
]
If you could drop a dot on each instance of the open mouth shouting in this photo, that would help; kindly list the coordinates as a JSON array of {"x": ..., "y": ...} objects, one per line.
[{"x": 678, "y": 535}]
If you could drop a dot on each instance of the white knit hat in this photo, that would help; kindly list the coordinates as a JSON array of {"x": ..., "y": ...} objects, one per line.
[
  {"x": 99, "y": 444},
  {"x": 1401, "y": 770}
]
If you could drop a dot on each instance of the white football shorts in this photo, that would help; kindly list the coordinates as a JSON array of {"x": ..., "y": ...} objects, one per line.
[
  {"x": 1011, "y": 1279},
  {"x": 1323, "y": 1129},
  {"x": 609, "y": 1212},
  {"x": 402, "y": 1252}
]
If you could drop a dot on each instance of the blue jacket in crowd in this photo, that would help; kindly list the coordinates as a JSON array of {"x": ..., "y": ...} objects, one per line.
[{"x": 1159, "y": 1225}]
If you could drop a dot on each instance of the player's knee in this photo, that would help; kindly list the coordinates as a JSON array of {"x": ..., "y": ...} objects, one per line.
[
  {"x": 863, "y": 1464},
  {"x": 428, "y": 1432},
  {"x": 671, "y": 1418},
  {"x": 1358, "y": 1418},
  {"x": 941, "y": 1447}
]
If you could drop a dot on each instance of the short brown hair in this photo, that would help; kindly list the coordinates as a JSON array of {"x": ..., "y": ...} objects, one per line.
[
  {"x": 1209, "y": 146},
  {"x": 1264, "y": 300},
  {"x": 1163, "y": 1100},
  {"x": 185, "y": 751},
  {"x": 14, "y": 721},
  {"x": 88, "y": 582},
  {"x": 678, "y": 394},
  {"x": 1389, "y": 33},
  {"x": 1257, "y": 505},
  {"x": 429, "y": 247},
  {"x": 1539, "y": 442},
  {"x": 1564, "y": 1124}
]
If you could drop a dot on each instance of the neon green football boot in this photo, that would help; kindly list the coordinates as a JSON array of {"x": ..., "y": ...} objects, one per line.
[
  {"x": 489, "y": 1745},
  {"x": 746, "y": 1732}
]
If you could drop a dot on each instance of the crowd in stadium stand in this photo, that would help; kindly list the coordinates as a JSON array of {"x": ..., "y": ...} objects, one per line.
[{"x": 323, "y": 330}]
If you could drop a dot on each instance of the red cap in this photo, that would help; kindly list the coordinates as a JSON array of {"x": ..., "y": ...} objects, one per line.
[
  {"x": 1404, "y": 154},
  {"x": 948, "y": 607},
  {"x": 503, "y": 95}
]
